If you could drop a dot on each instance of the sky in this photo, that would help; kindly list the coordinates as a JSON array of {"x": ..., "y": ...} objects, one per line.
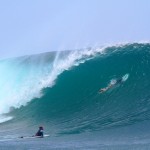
[{"x": 37, "y": 26}]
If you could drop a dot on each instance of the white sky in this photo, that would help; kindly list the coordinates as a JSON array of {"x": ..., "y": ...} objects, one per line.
[{"x": 35, "y": 26}]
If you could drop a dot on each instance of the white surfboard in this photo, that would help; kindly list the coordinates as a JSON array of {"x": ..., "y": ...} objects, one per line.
[
  {"x": 31, "y": 137},
  {"x": 125, "y": 77}
]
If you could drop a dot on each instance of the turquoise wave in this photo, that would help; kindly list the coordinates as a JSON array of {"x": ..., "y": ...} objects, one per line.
[{"x": 61, "y": 90}]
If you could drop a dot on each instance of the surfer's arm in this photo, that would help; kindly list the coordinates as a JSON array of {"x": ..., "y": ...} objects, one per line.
[
  {"x": 101, "y": 90},
  {"x": 105, "y": 89}
]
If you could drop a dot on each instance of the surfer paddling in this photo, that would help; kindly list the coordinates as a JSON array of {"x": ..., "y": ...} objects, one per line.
[{"x": 112, "y": 84}]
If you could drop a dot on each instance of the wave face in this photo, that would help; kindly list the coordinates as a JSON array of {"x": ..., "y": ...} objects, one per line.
[{"x": 60, "y": 90}]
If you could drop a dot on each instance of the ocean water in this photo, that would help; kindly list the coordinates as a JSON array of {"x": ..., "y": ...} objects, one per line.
[{"x": 59, "y": 90}]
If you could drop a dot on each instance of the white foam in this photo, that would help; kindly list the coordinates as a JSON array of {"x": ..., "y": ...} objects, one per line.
[{"x": 4, "y": 119}]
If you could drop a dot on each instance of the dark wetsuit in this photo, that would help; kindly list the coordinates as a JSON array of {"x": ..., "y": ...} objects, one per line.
[{"x": 40, "y": 133}]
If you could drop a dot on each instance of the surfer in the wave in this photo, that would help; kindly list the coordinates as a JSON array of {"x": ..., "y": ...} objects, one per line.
[
  {"x": 40, "y": 132},
  {"x": 112, "y": 84}
]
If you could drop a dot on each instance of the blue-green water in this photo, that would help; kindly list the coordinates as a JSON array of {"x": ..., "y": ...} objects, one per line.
[{"x": 59, "y": 90}]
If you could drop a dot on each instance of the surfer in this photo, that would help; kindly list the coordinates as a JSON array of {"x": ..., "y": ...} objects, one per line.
[
  {"x": 112, "y": 84},
  {"x": 40, "y": 132}
]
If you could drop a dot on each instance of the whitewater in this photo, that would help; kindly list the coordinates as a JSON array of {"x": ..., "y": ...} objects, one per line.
[
  {"x": 59, "y": 90},
  {"x": 20, "y": 75}
]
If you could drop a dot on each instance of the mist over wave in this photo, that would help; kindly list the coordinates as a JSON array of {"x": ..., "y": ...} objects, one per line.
[{"x": 23, "y": 79}]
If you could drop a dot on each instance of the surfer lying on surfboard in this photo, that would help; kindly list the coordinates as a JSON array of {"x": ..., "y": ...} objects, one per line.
[{"x": 112, "y": 84}]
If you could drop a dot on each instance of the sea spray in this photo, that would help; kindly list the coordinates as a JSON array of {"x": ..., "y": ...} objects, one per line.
[{"x": 22, "y": 79}]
